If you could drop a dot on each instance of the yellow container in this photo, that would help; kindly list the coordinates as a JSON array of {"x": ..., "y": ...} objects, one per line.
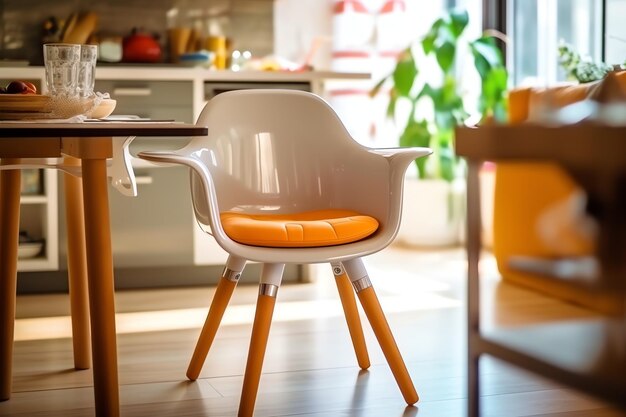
[{"x": 217, "y": 45}]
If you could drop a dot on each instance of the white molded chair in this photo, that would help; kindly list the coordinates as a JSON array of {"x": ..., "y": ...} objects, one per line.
[{"x": 279, "y": 180}]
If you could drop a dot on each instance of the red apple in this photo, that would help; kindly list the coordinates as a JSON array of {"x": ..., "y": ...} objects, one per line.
[
  {"x": 32, "y": 89},
  {"x": 21, "y": 87}
]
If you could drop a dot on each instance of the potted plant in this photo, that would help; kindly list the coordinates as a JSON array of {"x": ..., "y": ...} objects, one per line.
[
  {"x": 428, "y": 99},
  {"x": 579, "y": 68}
]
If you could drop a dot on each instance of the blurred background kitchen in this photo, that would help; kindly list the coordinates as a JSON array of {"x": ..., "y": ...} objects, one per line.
[
  {"x": 24, "y": 23},
  {"x": 164, "y": 59}
]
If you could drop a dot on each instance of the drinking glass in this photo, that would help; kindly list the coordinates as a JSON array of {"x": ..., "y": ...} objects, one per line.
[
  {"x": 61, "y": 61},
  {"x": 87, "y": 70}
]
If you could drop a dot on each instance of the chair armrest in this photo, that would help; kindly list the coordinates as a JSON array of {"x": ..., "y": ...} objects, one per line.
[
  {"x": 163, "y": 158},
  {"x": 399, "y": 159},
  {"x": 401, "y": 156},
  {"x": 120, "y": 167},
  {"x": 183, "y": 157}
]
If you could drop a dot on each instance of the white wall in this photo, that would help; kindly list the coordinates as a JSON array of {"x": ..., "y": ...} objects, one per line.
[{"x": 300, "y": 23}]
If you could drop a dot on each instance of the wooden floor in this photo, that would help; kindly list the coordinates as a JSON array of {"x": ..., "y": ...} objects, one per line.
[{"x": 310, "y": 369}]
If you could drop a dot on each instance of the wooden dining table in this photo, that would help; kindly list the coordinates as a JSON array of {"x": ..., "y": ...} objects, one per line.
[
  {"x": 90, "y": 262},
  {"x": 594, "y": 155}
]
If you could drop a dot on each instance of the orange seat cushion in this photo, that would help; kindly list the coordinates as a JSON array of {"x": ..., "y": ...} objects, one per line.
[{"x": 298, "y": 230}]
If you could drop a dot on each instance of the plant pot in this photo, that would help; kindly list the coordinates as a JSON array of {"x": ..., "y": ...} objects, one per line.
[{"x": 433, "y": 213}]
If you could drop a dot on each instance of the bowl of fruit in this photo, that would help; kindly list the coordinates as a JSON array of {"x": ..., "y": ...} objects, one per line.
[{"x": 20, "y": 100}]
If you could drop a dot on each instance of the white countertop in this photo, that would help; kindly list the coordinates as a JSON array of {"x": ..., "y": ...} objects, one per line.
[
  {"x": 198, "y": 76},
  {"x": 165, "y": 72}
]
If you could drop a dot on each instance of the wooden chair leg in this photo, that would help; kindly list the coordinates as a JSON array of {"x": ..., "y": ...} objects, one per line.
[
  {"x": 256, "y": 354},
  {"x": 376, "y": 317},
  {"x": 268, "y": 289},
  {"x": 348, "y": 301},
  {"x": 223, "y": 292},
  {"x": 9, "y": 237}
]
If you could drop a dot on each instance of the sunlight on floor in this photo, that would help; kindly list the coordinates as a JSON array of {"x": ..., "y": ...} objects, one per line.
[
  {"x": 404, "y": 280},
  {"x": 150, "y": 321}
]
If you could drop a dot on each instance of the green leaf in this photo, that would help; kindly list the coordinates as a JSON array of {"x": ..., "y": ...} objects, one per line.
[
  {"x": 416, "y": 133},
  {"x": 445, "y": 55},
  {"x": 378, "y": 86},
  {"x": 404, "y": 74},
  {"x": 391, "y": 107},
  {"x": 447, "y": 162},
  {"x": 450, "y": 96},
  {"x": 426, "y": 91},
  {"x": 496, "y": 82},
  {"x": 445, "y": 120},
  {"x": 428, "y": 42},
  {"x": 501, "y": 112},
  {"x": 492, "y": 98},
  {"x": 446, "y": 99},
  {"x": 486, "y": 54},
  {"x": 459, "y": 19}
]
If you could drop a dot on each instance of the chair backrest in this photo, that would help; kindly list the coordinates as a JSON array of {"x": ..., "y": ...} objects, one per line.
[{"x": 279, "y": 151}]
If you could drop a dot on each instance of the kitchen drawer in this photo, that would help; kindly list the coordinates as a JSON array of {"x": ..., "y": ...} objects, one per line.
[{"x": 138, "y": 92}]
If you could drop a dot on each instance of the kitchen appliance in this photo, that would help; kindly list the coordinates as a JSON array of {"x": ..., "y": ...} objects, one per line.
[
  {"x": 110, "y": 49},
  {"x": 141, "y": 47}
]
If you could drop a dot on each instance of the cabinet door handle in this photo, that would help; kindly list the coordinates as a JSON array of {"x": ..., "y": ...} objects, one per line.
[
  {"x": 143, "y": 179},
  {"x": 134, "y": 91}
]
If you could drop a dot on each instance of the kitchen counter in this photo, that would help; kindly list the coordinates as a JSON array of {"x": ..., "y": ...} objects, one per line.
[
  {"x": 176, "y": 72},
  {"x": 197, "y": 75}
]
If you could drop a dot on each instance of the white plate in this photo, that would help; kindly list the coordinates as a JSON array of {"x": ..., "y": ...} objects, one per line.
[{"x": 29, "y": 250}]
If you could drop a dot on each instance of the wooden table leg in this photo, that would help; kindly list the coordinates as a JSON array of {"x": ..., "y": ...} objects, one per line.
[
  {"x": 473, "y": 288},
  {"x": 9, "y": 237},
  {"x": 77, "y": 267},
  {"x": 101, "y": 286}
]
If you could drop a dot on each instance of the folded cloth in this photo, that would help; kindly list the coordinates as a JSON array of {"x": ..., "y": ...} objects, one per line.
[{"x": 74, "y": 119}]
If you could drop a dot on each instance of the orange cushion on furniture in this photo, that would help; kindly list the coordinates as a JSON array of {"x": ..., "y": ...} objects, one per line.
[
  {"x": 524, "y": 191},
  {"x": 298, "y": 230}
]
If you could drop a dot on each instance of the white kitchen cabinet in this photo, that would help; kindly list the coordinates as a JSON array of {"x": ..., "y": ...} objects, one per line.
[{"x": 38, "y": 213}]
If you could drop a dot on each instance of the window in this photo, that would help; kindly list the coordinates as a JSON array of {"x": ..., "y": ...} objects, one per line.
[{"x": 537, "y": 26}]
